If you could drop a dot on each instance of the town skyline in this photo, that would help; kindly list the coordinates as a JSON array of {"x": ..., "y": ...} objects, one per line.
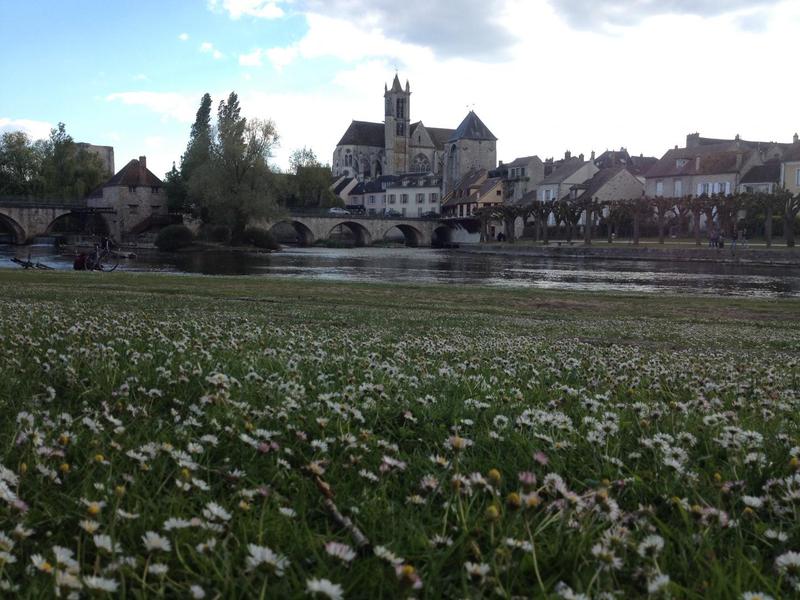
[{"x": 312, "y": 70}]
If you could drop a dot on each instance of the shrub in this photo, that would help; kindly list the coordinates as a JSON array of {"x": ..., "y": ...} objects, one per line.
[
  {"x": 217, "y": 233},
  {"x": 260, "y": 238},
  {"x": 174, "y": 237}
]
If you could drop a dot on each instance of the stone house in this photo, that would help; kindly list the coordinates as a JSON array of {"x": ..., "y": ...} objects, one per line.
[
  {"x": 135, "y": 194},
  {"x": 790, "y": 168},
  {"x": 571, "y": 171},
  {"x": 764, "y": 178},
  {"x": 411, "y": 195},
  {"x": 475, "y": 190},
  {"x": 521, "y": 176},
  {"x": 708, "y": 166}
]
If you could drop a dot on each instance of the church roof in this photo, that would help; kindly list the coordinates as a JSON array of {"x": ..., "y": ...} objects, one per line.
[
  {"x": 438, "y": 135},
  {"x": 396, "y": 87},
  {"x": 134, "y": 173},
  {"x": 364, "y": 133},
  {"x": 472, "y": 128}
]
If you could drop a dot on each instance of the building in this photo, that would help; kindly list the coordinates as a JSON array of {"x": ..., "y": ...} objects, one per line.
[
  {"x": 613, "y": 183},
  {"x": 105, "y": 153},
  {"x": 708, "y": 166},
  {"x": 135, "y": 194},
  {"x": 411, "y": 195},
  {"x": 397, "y": 146},
  {"x": 636, "y": 165},
  {"x": 764, "y": 178},
  {"x": 790, "y": 168},
  {"x": 573, "y": 170},
  {"x": 521, "y": 176},
  {"x": 475, "y": 190}
]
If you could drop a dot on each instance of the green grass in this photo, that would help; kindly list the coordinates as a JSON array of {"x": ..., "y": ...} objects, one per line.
[{"x": 593, "y": 423}]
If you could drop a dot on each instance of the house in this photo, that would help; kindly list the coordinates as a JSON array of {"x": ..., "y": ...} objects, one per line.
[
  {"x": 708, "y": 166},
  {"x": 521, "y": 176},
  {"x": 636, "y": 165},
  {"x": 135, "y": 194},
  {"x": 475, "y": 190},
  {"x": 613, "y": 183},
  {"x": 410, "y": 195},
  {"x": 762, "y": 178},
  {"x": 790, "y": 168},
  {"x": 571, "y": 171}
]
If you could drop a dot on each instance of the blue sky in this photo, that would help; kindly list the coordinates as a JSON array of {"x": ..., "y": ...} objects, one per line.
[{"x": 545, "y": 75}]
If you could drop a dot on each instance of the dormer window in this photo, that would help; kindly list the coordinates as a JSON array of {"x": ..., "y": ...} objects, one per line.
[{"x": 680, "y": 163}]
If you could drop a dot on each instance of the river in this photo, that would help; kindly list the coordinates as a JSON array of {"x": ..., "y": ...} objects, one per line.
[{"x": 446, "y": 266}]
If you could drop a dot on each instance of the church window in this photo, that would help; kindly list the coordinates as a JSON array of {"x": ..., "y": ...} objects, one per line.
[
  {"x": 421, "y": 164},
  {"x": 348, "y": 160},
  {"x": 401, "y": 108},
  {"x": 355, "y": 166},
  {"x": 401, "y": 129}
]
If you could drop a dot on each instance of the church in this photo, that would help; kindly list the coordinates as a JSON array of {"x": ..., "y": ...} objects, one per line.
[{"x": 397, "y": 146}]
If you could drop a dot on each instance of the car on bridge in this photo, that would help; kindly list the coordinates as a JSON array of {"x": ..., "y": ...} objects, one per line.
[
  {"x": 431, "y": 214},
  {"x": 336, "y": 210},
  {"x": 390, "y": 212}
]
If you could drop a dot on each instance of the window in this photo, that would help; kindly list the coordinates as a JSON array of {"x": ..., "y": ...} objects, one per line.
[
  {"x": 401, "y": 129},
  {"x": 404, "y": 198},
  {"x": 680, "y": 163},
  {"x": 154, "y": 189},
  {"x": 797, "y": 177},
  {"x": 703, "y": 188},
  {"x": 727, "y": 188},
  {"x": 522, "y": 172},
  {"x": 348, "y": 159},
  {"x": 420, "y": 198},
  {"x": 401, "y": 108},
  {"x": 372, "y": 199},
  {"x": 548, "y": 195},
  {"x": 391, "y": 198},
  {"x": 131, "y": 188},
  {"x": 659, "y": 188},
  {"x": 434, "y": 198},
  {"x": 133, "y": 208},
  {"x": 499, "y": 193},
  {"x": 678, "y": 188}
]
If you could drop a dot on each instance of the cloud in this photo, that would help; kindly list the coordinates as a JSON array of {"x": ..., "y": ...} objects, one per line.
[
  {"x": 208, "y": 48},
  {"x": 170, "y": 105},
  {"x": 262, "y": 9},
  {"x": 251, "y": 60},
  {"x": 183, "y": 37},
  {"x": 140, "y": 77},
  {"x": 597, "y": 14},
  {"x": 37, "y": 130}
]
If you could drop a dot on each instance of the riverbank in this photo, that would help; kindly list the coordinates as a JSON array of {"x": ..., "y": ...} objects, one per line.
[
  {"x": 774, "y": 256},
  {"x": 246, "y": 437}
]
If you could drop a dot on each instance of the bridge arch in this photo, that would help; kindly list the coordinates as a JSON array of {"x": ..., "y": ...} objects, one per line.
[
  {"x": 79, "y": 223},
  {"x": 360, "y": 233},
  {"x": 13, "y": 228},
  {"x": 413, "y": 237},
  {"x": 442, "y": 236},
  {"x": 304, "y": 235}
]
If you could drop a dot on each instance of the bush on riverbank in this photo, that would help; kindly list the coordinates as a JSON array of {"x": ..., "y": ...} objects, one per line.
[
  {"x": 260, "y": 238},
  {"x": 174, "y": 237}
]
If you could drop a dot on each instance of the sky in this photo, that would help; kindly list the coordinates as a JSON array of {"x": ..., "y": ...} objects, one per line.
[{"x": 546, "y": 76}]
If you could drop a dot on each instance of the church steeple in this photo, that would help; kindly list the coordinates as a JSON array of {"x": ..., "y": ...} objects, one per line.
[{"x": 397, "y": 126}]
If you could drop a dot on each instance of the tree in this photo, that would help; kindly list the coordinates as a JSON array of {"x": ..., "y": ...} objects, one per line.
[
  {"x": 20, "y": 165},
  {"x": 69, "y": 172},
  {"x": 234, "y": 185},
  {"x": 663, "y": 206},
  {"x": 791, "y": 206},
  {"x": 198, "y": 150},
  {"x": 177, "y": 191},
  {"x": 302, "y": 158}
]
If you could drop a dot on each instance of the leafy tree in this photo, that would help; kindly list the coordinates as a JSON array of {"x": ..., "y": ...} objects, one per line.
[
  {"x": 308, "y": 182},
  {"x": 20, "y": 165},
  {"x": 69, "y": 172},
  {"x": 198, "y": 150},
  {"x": 301, "y": 158},
  {"x": 177, "y": 191},
  {"x": 234, "y": 185}
]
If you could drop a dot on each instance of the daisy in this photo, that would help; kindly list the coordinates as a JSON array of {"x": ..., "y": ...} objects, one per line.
[
  {"x": 153, "y": 541},
  {"x": 341, "y": 551},
  {"x": 324, "y": 587},
  {"x": 262, "y": 555},
  {"x": 100, "y": 583}
]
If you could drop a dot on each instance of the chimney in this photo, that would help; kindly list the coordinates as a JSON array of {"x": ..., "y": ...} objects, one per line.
[
  {"x": 592, "y": 155},
  {"x": 738, "y": 161},
  {"x": 581, "y": 156},
  {"x": 567, "y": 155},
  {"x": 796, "y": 138},
  {"x": 697, "y": 164}
]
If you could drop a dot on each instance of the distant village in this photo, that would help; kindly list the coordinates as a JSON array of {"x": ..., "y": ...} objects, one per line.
[{"x": 406, "y": 168}]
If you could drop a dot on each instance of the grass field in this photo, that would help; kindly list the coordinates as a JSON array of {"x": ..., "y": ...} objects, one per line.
[{"x": 253, "y": 437}]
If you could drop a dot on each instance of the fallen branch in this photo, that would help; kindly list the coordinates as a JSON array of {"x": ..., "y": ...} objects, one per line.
[{"x": 361, "y": 541}]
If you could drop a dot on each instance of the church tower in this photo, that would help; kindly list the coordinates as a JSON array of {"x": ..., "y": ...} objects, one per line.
[{"x": 397, "y": 125}]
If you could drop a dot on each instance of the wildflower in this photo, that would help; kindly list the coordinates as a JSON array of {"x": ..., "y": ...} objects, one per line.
[
  {"x": 341, "y": 551},
  {"x": 608, "y": 560},
  {"x": 103, "y": 542},
  {"x": 385, "y": 554},
  {"x": 325, "y": 587},
  {"x": 477, "y": 571},
  {"x": 408, "y": 576},
  {"x": 756, "y": 596},
  {"x": 657, "y": 584},
  {"x": 788, "y": 563},
  {"x": 287, "y": 512},
  {"x": 89, "y": 526},
  {"x": 100, "y": 583},
  {"x": 40, "y": 563},
  {"x": 263, "y": 555},
  {"x": 651, "y": 546},
  {"x": 494, "y": 476},
  {"x": 197, "y": 592},
  {"x": 457, "y": 443},
  {"x": 153, "y": 541},
  {"x": 214, "y": 511},
  {"x": 158, "y": 569}
]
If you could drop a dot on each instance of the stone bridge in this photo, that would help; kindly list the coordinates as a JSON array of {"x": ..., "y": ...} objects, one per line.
[
  {"x": 366, "y": 229},
  {"x": 26, "y": 220}
]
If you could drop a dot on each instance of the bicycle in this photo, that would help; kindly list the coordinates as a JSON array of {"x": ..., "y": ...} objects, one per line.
[{"x": 102, "y": 259}]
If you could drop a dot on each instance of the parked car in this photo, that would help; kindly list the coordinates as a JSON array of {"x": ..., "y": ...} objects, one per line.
[
  {"x": 431, "y": 214},
  {"x": 390, "y": 212},
  {"x": 335, "y": 210},
  {"x": 355, "y": 209}
]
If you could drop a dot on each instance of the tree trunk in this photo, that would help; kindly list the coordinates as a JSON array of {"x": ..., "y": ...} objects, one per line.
[
  {"x": 546, "y": 228},
  {"x": 636, "y": 226},
  {"x": 536, "y": 226},
  {"x": 587, "y": 227},
  {"x": 609, "y": 228},
  {"x": 788, "y": 228},
  {"x": 660, "y": 228},
  {"x": 768, "y": 224},
  {"x": 696, "y": 217}
]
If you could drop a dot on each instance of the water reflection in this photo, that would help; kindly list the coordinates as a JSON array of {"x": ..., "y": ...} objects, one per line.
[{"x": 443, "y": 266}]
